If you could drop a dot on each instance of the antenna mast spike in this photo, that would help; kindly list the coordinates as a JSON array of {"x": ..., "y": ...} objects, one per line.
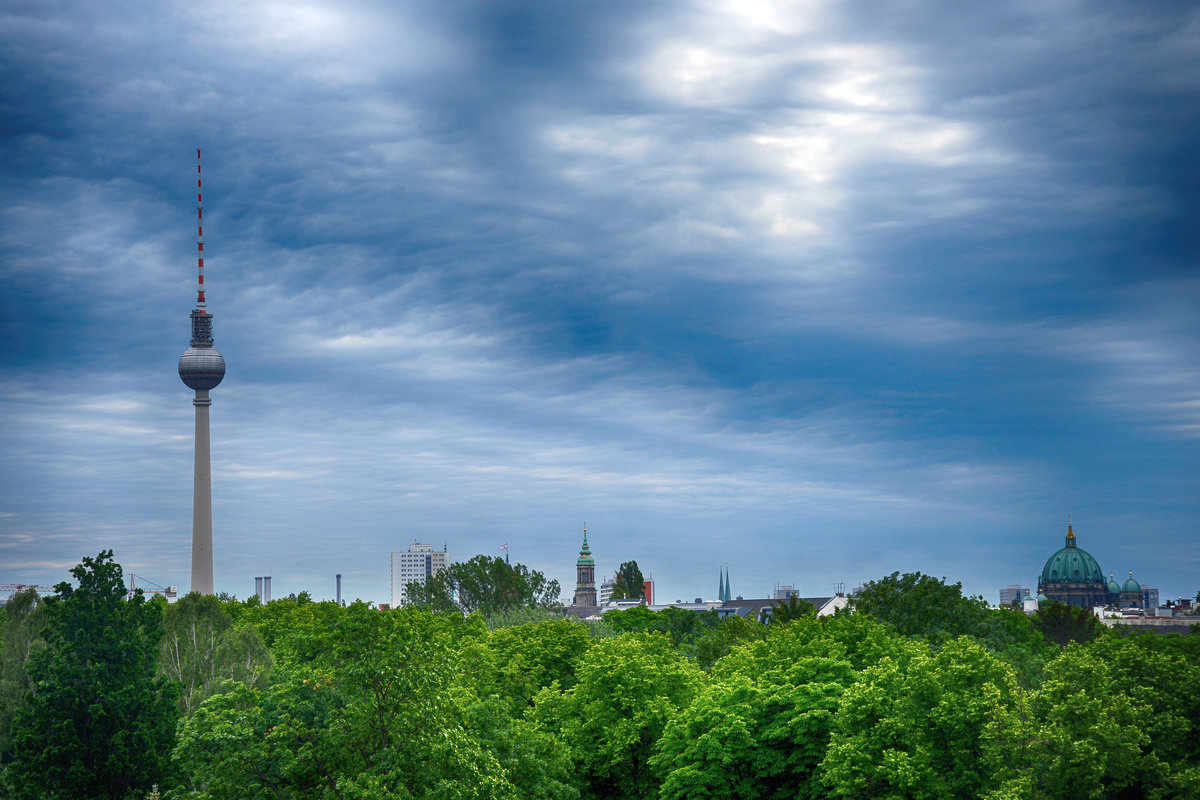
[{"x": 199, "y": 236}]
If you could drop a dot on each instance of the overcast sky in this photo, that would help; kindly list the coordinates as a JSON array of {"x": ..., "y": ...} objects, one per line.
[{"x": 819, "y": 290}]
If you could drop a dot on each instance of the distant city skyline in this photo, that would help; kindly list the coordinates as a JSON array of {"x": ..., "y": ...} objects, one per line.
[{"x": 820, "y": 291}]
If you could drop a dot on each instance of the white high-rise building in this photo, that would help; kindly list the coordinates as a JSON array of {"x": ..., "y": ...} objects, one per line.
[{"x": 415, "y": 566}]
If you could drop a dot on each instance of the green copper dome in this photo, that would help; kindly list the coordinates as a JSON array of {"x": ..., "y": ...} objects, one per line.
[
  {"x": 585, "y": 555},
  {"x": 1131, "y": 585},
  {"x": 1072, "y": 564},
  {"x": 1113, "y": 586}
]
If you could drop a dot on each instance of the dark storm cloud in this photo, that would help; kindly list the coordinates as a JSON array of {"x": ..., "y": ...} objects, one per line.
[{"x": 805, "y": 283}]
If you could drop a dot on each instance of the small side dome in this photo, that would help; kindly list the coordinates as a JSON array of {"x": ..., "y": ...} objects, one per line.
[
  {"x": 1041, "y": 598},
  {"x": 1131, "y": 585},
  {"x": 1113, "y": 586}
]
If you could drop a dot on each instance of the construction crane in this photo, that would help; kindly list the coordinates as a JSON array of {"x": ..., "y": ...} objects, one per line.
[
  {"x": 166, "y": 591},
  {"x": 9, "y": 589}
]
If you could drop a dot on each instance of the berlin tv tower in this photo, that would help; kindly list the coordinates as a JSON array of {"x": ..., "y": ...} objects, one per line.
[{"x": 201, "y": 367}]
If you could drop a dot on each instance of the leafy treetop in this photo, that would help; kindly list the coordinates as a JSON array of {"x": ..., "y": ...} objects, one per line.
[{"x": 629, "y": 583}]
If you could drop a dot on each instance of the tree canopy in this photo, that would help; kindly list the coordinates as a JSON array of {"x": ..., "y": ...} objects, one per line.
[
  {"x": 1062, "y": 624},
  {"x": 793, "y": 608},
  {"x": 921, "y": 605},
  {"x": 485, "y": 584},
  {"x": 308, "y": 700},
  {"x": 98, "y": 723},
  {"x": 21, "y": 623},
  {"x": 628, "y": 584}
]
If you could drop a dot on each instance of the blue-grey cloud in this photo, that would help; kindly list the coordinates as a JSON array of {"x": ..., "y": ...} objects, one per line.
[{"x": 819, "y": 290}]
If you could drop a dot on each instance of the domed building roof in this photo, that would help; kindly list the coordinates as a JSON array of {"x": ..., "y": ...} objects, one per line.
[
  {"x": 1072, "y": 564},
  {"x": 1131, "y": 585},
  {"x": 1113, "y": 586}
]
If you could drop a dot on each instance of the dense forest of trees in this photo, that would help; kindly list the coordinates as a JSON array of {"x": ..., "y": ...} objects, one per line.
[{"x": 917, "y": 692}]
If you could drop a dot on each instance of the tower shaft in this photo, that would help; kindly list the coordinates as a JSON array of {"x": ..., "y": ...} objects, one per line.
[
  {"x": 201, "y": 368},
  {"x": 202, "y": 548}
]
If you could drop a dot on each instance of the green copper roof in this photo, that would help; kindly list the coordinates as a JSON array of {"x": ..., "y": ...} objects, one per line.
[
  {"x": 585, "y": 555},
  {"x": 1131, "y": 585},
  {"x": 1072, "y": 564}
]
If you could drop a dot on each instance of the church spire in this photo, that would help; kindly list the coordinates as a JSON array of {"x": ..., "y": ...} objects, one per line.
[{"x": 585, "y": 577}]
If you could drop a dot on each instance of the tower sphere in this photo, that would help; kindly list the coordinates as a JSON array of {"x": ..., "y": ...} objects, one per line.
[{"x": 201, "y": 368}]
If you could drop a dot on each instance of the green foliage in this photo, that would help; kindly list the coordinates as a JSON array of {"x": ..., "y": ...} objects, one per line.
[
  {"x": 1014, "y": 638},
  {"x": 374, "y": 710},
  {"x": 917, "y": 730},
  {"x": 284, "y": 626},
  {"x": 1062, "y": 624},
  {"x": 629, "y": 583},
  {"x": 485, "y": 584},
  {"x": 531, "y": 758},
  {"x": 792, "y": 609},
  {"x": 297, "y": 699},
  {"x": 702, "y": 636},
  {"x": 919, "y": 605},
  {"x": 748, "y": 739},
  {"x": 99, "y": 724},
  {"x": 1077, "y": 736},
  {"x": 683, "y": 626},
  {"x": 1162, "y": 674},
  {"x": 200, "y": 647},
  {"x": 638, "y": 619},
  {"x": 24, "y": 616},
  {"x": 629, "y": 688},
  {"x": 715, "y": 643},
  {"x": 515, "y": 663},
  {"x": 522, "y": 616},
  {"x": 859, "y": 639}
]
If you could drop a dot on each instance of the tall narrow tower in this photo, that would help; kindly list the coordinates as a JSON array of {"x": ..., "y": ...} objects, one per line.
[
  {"x": 585, "y": 577},
  {"x": 201, "y": 368}
]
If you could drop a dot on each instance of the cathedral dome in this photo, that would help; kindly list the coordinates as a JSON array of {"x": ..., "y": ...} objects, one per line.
[
  {"x": 1072, "y": 564},
  {"x": 1113, "y": 586},
  {"x": 1131, "y": 585}
]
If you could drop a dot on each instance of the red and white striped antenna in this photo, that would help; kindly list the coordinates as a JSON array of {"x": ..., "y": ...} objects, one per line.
[{"x": 199, "y": 236}]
